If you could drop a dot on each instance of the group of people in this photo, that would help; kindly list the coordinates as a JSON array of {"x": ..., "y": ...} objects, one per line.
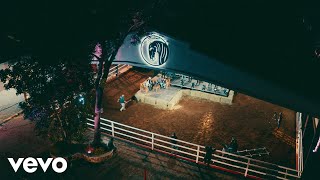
[{"x": 161, "y": 81}]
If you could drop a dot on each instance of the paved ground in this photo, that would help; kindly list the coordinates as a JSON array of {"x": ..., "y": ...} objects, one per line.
[
  {"x": 9, "y": 102},
  {"x": 249, "y": 120},
  {"x": 17, "y": 137}
]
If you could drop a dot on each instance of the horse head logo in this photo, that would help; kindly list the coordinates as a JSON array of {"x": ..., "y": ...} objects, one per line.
[{"x": 154, "y": 50}]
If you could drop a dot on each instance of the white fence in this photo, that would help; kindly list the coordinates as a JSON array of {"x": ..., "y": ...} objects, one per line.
[
  {"x": 224, "y": 161},
  {"x": 116, "y": 70},
  {"x": 299, "y": 149}
]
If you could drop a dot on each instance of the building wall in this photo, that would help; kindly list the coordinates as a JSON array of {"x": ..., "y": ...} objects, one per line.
[{"x": 311, "y": 132}]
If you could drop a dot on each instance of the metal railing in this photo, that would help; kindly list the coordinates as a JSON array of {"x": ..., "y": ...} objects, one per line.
[
  {"x": 225, "y": 161},
  {"x": 115, "y": 70},
  {"x": 254, "y": 152}
]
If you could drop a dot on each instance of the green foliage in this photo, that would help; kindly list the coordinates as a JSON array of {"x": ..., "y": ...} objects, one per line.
[{"x": 54, "y": 90}]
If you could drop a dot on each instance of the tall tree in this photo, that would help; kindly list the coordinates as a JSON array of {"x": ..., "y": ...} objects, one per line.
[
  {"x": 133, "y": 22},
  {"x": 39, "y": 31},
  {"x": 105, "y": 52},
  {"x": 59, "y": 95}
]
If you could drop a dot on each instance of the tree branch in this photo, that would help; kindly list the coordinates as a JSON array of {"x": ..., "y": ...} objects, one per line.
[{"x": 96, "y": 56}]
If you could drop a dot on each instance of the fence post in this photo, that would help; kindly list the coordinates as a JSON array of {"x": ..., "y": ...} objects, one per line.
[
  {"x": 285, "y": 176},
  {"x": 112, "y": 128},
  {"x": 117, "y": 70},
  {"x": 152, "y": 141},
  {"x": 246, "y": 173},
  {"x": 198, "y": 151}
]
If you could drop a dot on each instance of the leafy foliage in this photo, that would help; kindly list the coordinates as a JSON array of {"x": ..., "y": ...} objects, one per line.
[
  {"x": 72, "y": 33},
  {"x": 55, "y": 91}
]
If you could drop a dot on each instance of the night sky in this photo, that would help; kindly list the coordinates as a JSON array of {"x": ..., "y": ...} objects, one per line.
[{"x": 274, "y": 40}]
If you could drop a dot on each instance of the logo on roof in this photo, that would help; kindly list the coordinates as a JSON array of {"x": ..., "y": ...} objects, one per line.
[{"x": 154, "y": 50}]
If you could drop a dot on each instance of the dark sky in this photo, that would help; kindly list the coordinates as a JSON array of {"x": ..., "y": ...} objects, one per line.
[{"x": 274, "y": 40}]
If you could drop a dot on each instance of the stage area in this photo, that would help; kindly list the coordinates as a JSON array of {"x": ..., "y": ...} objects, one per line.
[
  {"x": 188, "y": 82},
  {"x": 168, "y": 98}
]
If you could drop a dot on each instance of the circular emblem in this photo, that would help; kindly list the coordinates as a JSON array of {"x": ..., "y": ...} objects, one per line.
[{"x": 154, "y": 50}]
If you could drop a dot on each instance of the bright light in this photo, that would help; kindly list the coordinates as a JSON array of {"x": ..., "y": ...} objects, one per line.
[
  {"x": 154, "y": 50},
  {"x": 81, "y": 99}
]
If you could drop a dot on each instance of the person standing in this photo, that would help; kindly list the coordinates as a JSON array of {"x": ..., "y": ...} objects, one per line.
[
  {"x": 182, "y": 82},
  {"x": 275, "y": 116},
  {"x": 233, "y": 145},
  {"x": 279, "y": 119},
  {"x": 117, "y": 70},
  {"x": 122, "y": 103},
  {"x": 149, "y": 83},
  {"x": 111, "y": 144},
  {"x": 203, "y": 87},
  {"x": 209, "y": 87},
  {"x": 163, "y": 74},
  {"x": 174, "y": 141},
  {"x": 208, "y": 155},
  {"x": 198, "y": 83},
  {"x": 192, "y": 85}
]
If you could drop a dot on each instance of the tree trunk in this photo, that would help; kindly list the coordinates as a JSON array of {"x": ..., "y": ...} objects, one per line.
[
  {"x": 62, "y": 127},
  {"x": 103, "y": 73},
  {"x": 97, "y": 109},
  {"x": 107, "y": 66},
  {"x": 25, "y": 96},
  {"x": 97, "y": 133}
]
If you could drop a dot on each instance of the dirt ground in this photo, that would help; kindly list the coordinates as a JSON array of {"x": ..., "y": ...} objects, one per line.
[{"x": 204, "y": 122}]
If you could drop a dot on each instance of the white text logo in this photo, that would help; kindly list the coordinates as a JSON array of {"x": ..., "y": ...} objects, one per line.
[{"x": 30, "y": 165}]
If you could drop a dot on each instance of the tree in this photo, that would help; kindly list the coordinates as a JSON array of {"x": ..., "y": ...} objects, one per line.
[
  {"x": 59, "y": 95},
  {"x": 75, "y": 31},
  {"x": 135, "y": 23},
  {"x": 105, "y": 52}
]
